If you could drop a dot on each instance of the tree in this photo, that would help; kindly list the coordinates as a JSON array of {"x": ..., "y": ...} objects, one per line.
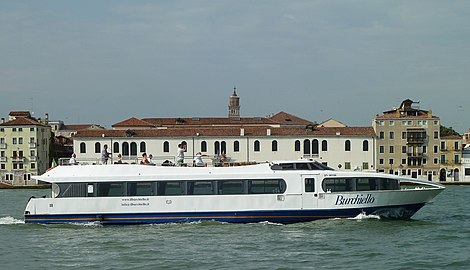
[{"x": 446, "y": 131}]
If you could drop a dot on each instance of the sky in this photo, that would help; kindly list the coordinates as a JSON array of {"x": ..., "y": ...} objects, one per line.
[{"x": 103, "y": 62}]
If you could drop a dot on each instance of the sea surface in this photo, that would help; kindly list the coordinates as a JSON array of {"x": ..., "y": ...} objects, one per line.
[{"x": 438, "y": 237}]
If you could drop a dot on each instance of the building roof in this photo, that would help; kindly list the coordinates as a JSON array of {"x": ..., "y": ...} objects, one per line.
[
  {"x": 281, "y": 118},
  {"x": 451, "y": 137},
  {"x": 81, "y": 127},
  {"x": 227, "y": 132},
  {"x": 22, "y": 121},
  {"x": 407, "y": 110}
]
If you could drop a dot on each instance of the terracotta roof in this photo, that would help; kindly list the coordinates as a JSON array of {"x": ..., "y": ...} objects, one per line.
[
  {"x": 209, "y": 121},
  {"x": 451, "y": 137},
  {"x": 227, "y": 132},
  {"x": 133, "y": 122},
  {"x": 20, "y": 114},
  {"x": 22, "y": 121},
  {"x": 289, "y": 119},
  {"x": 389, "y": 116},
  {"x": 80, "y": 127}
]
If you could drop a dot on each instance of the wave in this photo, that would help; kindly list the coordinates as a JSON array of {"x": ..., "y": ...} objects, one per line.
[
  {"x": 363, "y": 216},
  {"x": 10, "y": 220}
]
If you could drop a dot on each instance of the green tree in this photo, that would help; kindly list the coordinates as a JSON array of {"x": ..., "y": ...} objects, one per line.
[{"x": 446, "y": 131}]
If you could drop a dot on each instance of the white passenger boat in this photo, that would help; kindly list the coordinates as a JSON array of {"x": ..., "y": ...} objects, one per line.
[{"x": 280, "y": 192}]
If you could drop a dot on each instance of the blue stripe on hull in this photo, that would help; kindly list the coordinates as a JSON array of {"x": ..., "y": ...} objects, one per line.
[{"x": 276, "y": 216}]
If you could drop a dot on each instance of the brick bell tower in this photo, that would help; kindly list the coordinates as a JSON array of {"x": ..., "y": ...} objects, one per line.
[{"x": 234, "y": 105}]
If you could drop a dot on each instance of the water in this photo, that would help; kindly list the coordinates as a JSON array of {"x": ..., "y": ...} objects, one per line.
[{"x": 437, "y": 237}]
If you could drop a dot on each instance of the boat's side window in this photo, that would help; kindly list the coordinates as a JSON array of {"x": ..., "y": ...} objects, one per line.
[
  {"x": 302, "y": 166},
  {"x": 268, "y": 186},
  {"x": 364, "y": 184},
  {"x": 171, "y": 188},
  {"x": 110, "y": 189},
  {"x": 359, "y": 184},
  {"x": 309, "y": 185},
  {"x": 200, "y": 187},
  {"x": 140, "y": 189},
  {"x": 231, "y": 187},
  {"x": 71, "y": 190}
]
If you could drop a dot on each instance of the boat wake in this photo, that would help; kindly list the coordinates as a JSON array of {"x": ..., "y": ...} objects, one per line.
[
  {"x": 363, "y": 216},
  {"x": 10, "y": 221}
]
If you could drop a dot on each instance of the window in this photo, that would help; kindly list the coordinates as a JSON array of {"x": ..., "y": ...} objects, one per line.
[
  {"x": 133, "y": 149},
  {"x": 381, "y": 135},
  {"x": 200, "y": 187},
  {"x": 274, "y": 146},
  {"x": 315, "y": 147},
  {"x": 97, "y": 147},
  {"x": 324, "y": 145},
  {"x": 390, "y": 161},
  {"x": 392, "y": 135},
  {"x": 231, "y": 187},
  {"x": 20, "y": 129},
  {"x": 365, "y": 145},
  {"x": 140, "y": 189},
  {"x": 456, "y": 159},
  {"x": 309, "y": 185},
  {"x": 443, "y": 159},
  {"x": 297, "y": 146},
  {"x": 347, "y": 165},
  {"x": 14, "y": 129},
  {"x": 33, "y": 166},
  {"x": 403, "y": 149},
  {"x": 456, "y": 146},
  {"x": 436, "y": 161},
  {"x": 216, "y": 148},
  {"x": 381, "y": 149},
  {"x": 236, "y": 146},
  {"x": 125, "y": 149},
  {"x": 31, "y": 129},
  {"x": 27, "y": 176},
  {"x": 110, "y": 189},
  {"x": 82, "y": 147},
  {"x": 403, "y": 135},
  {"x": 203, "y": 146},
  {"x": 381, "y": 161},
  {"x": 306, "y": 147},
  {"x": 20, "y": 140},
  {"x": 166, "y": 147},
  {"x": 365, "y": 165},
  {"x": 171, "y": 188},
  {"x": 443, "y": 145},
  {"x": 2, "y": 166},
  {"x": 392, "y": 123},
  {"x": 115, "y": 147},
  {"x": 268, "y": 186},
  {"x": 256, "y": 146},
  {"x": 223, "y": 147},
  {"x": 347, "y": 145},
  {"x": 436, "y": 149},
  {"x": 467, "y": 171},
  {"x": 15, "y": 140},
  {"x": 436, "y": 134},
  {"x": 143, "y": 147},
  {"x": 392, "y": 149},
  {"x": 403, "y": 161}
]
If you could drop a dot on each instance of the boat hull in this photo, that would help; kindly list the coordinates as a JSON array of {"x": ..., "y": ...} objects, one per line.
[{"x": 275, "y": 216}]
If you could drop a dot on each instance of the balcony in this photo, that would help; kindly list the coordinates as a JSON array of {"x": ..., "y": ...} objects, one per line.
[
  {"x": 3, "y": 146},
  {"x": 3, "y": 159},
  {"x": 33, "y": 158},
  {"x": 17, "y": 159},
  {"x": 32, "y": 145},
  {"x": 417, "y": 155}
]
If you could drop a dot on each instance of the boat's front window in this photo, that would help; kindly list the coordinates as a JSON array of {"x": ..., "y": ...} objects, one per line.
[{"x": 342, "y": 184}]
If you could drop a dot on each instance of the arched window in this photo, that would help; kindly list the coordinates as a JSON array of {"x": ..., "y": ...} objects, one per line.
[
  {"x": 324, "y": 145},
  {"x": 203, "y": 146},
  {"x": 125, "y": 149},
  {"x": 97, "y": 147},
  {"x": 315, "y": 147},
  {"x": 166, "y": 147},
  {"x": 347, "y": 145},
  {"x": 236, "y": 146},
  {"x": 365, "y": 145},
  {"x": 115, "y": 147},
  {"x": 274, "y": 146},
  {"x": 256, "y": 146},
  {"x": 223, "y": 147},
  {"x": 216, "y": 148},
  {"x": 133, "y": 149},
  {"x": 142, "y": 147},
  {"x": 82, "y": 147},
  {"x": 297, "y": 146},
  {"x": 306, "y": 147}
]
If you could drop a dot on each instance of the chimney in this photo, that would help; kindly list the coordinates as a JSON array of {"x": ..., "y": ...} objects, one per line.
[
  {"x": 2, "y": 121},
  {"x": 242, "y": 132},
  {"x": 46, "y": 119}
]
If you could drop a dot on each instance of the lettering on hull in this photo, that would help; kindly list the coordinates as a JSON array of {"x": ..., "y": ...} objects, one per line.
[{"x": 358, "y": 199}]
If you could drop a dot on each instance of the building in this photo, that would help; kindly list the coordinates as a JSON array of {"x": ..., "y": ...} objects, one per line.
[
  {"x": 24, "y": 147},
  {"x": 408, "y": 141},
  {"x": 450, "y": 158},
  {"x": 243, "y": 140},
  {"x": 466, "y": 163}
]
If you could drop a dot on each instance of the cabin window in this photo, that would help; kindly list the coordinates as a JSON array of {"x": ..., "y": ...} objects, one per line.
[
  {"x": 309, "y": 185},
  {"x": 231, "y": 187},
  {"x": 200, "y": 187},
  {"x": 110, "y": 189},
  {"x": 359, "y": 184},
  {"x": 170, "y": 188},
  {"x": 71, "y": 190},
  {"x": 272, "y": 186},
  {"x": 140, "y": 188}
]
